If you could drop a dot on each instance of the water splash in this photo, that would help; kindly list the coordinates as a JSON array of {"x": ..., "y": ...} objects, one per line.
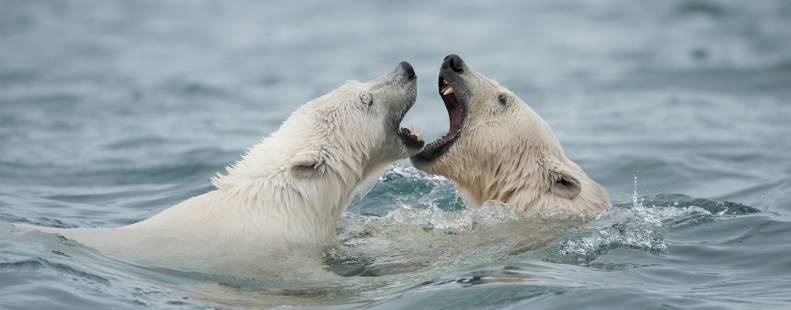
[
  {"x": 636, "y": 200},
  {"x": 434, "y": 218},
  {"x": 404, "y": 186},
  {"x": 425, "y": 229},
  {"x": 639, "y": 225}
]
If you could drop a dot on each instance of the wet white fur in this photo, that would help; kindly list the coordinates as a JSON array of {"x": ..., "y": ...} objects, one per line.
[
  {"x": 281, "y": 201},
  {"x": 507, "y": 152}
]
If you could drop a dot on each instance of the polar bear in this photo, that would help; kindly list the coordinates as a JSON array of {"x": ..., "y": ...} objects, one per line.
[
  {"x": 285, "y": 195},
  {"x": 499, "y": 149}
]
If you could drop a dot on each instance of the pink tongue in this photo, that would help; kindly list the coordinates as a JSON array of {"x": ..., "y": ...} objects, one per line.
[{"x": 455, "y": 119}]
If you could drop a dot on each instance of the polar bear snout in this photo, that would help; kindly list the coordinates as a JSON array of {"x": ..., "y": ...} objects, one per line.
[
  {"x": 397, "y": 93},
  {"x": 407, "y": 70},
  {"x": 454, "y": 63},
  {"x": 453, "y": 89}
]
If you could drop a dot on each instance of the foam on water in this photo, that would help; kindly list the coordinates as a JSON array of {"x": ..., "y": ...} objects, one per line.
[
  {"x": 424, "y": 240},
  {"x": 422, "y": 235}
]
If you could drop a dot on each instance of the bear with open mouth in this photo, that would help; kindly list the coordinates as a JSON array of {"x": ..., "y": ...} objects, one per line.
[
  {"x": 498, "y": 148},
  {"x": 282, "y": 200}
]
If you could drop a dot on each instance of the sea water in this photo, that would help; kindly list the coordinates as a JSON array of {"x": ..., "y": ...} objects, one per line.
[{"x": 111, "y": 111}]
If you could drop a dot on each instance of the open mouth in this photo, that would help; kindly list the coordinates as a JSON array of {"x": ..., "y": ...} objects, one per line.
[
  {"x": 456, "y": 118},
  {"x": 411, "y": 137}
]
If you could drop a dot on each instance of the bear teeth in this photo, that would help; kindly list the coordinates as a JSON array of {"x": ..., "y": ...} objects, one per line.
[
  {"x": 415, "y": 133},
  {"x": 412, "y": 134},
  {"x": 447, "y": 90}
]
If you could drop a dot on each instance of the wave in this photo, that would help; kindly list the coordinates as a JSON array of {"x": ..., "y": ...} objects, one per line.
[{"x": 426, "y": 229}]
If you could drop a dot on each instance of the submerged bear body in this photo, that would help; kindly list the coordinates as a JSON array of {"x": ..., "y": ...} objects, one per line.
[{"x": 282, "y": 200}]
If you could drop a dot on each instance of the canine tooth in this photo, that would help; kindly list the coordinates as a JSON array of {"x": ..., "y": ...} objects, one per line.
[
  {"x": 447, "y": 90},
  {"x": 412, "y": 129},
  {"x": 419, "y": 136}
]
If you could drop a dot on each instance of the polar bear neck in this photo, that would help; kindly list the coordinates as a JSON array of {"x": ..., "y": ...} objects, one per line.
[
  {"x": 519, "y": 170},
  {"x": 524, "y": 182},
  {"x": 502, "y": 178},
  {"x": 261, "y": 183}
]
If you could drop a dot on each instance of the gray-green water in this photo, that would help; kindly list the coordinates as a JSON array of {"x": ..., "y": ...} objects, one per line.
[{"x": 111, "y": 111}]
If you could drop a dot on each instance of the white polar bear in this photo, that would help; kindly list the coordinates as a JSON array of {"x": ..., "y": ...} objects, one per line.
[
  {"x": 499, "y": 149},
  {"x": 285, "y": 194}
]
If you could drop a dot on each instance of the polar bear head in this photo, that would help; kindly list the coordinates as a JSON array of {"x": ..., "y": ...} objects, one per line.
[
  {"x": 498, "y": 148},
  {"x": 342, "y": 137}
]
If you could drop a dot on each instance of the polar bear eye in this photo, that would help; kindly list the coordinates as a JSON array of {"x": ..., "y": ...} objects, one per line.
[
  {"x": 366, "y": 98},
  {"x": 502, "y": 99}
]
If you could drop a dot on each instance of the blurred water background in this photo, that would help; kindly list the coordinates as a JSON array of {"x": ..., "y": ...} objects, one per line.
[{"x": 111, "y": 111}]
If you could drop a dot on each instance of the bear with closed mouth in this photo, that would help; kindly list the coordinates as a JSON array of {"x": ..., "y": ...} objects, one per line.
[
  {"x": 285, "y": 195},
  {"x": 498, "y": 148}
]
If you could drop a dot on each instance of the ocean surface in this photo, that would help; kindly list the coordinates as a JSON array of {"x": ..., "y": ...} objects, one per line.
[{"x": 111, "y": 111}]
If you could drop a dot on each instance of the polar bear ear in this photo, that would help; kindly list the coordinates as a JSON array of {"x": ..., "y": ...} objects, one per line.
[
  {"x": 566, "y": 186},
  {"x": 563, "y": 183},
  {"x": 308, "y": 163}
]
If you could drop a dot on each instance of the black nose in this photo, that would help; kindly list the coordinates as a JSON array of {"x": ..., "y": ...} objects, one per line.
[
  {"x": 453, "y": 62},
  {"x": 408, "y": 70}
]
